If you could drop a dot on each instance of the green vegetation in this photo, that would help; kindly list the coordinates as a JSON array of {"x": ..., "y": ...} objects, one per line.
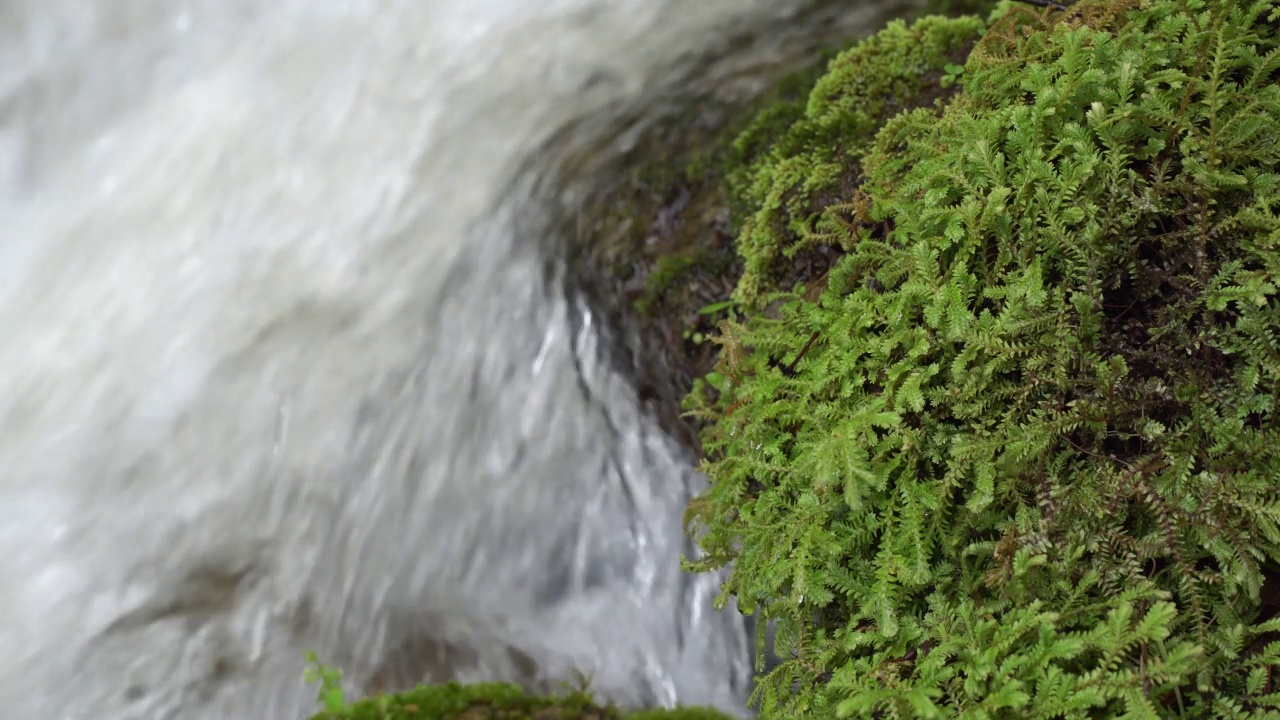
[
  {"x": 781, "y": 181},
  {"x": 992, "y": 431},
  {"x": 484, "y": 701},
  {"x": 1017, "y": 454},
  {"x": 496, "y": 701}
]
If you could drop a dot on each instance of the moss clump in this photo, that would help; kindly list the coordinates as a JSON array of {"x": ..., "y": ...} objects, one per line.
[
  {"x": 496, "y": 701},
  {"x": 780, "y": 182},
  {"x": 668, "y": 271},
  {"x": 1021, "y": 457},
  {"x": 480, "y": 701}
]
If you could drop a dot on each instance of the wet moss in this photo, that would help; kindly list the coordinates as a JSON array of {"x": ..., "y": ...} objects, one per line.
[
  {"x": 689, "y": 249},
  {"x": 782, "y": 189},
  {"x": 1017, "y": 453},
  {"x": 497, "y": 701}
]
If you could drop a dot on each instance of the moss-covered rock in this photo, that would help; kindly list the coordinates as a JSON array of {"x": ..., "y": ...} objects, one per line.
[
  {"x": 682, "y": 265},
  {"x": 1019, "y": 456}
]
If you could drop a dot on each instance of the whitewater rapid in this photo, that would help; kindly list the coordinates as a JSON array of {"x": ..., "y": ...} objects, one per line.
[{"x": 286, "y": 364}]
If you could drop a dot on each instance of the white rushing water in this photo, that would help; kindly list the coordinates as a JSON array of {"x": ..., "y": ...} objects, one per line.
[{"x": 282, "y": 368}]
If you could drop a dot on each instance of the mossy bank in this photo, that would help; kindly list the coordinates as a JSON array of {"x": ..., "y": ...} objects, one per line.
[{"x": 1016, "y": 452}]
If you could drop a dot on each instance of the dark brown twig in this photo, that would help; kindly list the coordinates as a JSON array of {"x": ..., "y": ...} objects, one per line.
[{"x": 790, "y": 370}]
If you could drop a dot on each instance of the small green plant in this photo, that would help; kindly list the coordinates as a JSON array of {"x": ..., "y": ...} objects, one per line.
[
  {"x": 954, "y": 72},
  {"x": 714, "y": 308},
  {"x": 697, "y": 337},
  {"x": 578, "y": 684},
  {"x": 329, "y": 695}
]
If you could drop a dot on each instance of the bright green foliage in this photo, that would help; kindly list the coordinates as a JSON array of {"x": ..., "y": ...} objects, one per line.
[
  {"x": 1029, "y": 466},
  {"x": 329, "y": 679},
  {"x": 496, "y": 701},
  {"x": 784, "y": 179},
  {"x": 447, "y": 702},
  {"x": 483, "y": 701}
]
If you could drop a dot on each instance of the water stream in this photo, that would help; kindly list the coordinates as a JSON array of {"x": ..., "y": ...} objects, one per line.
[{"x": 289, "y": 363}]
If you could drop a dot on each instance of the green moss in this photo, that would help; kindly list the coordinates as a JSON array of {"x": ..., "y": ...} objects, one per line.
[
  {"x": 481, "y": 701},
  {"x": 496, "y": 701},
  {"x": 780, "y": 180},
  {"x": 677, "y": 714},
  {"x": 1021, "y": 458},
  {"x": 669, "y": 269}
]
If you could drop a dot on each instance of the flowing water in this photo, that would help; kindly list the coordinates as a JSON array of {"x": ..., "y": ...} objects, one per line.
[{"x": 288, "y": 363}]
